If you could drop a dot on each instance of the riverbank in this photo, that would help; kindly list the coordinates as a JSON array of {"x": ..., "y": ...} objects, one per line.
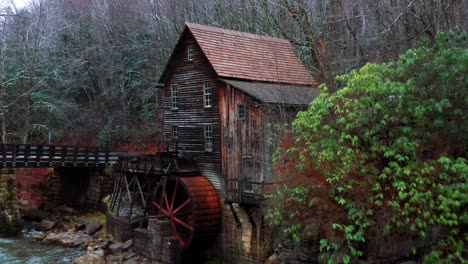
[{"x": 64, "y": 228}]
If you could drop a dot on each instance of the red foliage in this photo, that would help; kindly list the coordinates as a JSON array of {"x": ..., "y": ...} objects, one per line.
[
  {"x": 28, "y": 185},
  {"x": 317, "y": 216},
  {"x": 140, "y": 149}
]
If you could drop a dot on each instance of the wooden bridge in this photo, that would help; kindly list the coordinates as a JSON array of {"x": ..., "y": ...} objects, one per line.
[{"x": 36, "y": 156}]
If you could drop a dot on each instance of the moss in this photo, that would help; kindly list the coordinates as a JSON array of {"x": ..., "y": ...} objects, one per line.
[{"x": 5, "y": 171}]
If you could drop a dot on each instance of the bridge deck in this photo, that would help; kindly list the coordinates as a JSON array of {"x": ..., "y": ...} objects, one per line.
[{"x": 30, "y": 156}]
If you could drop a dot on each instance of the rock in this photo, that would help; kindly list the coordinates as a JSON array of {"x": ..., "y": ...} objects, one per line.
[
  {"x": 127, "y": 244},
  {"x": 273, "y": 259},
  {"x": 64, "y": 208},
  {"x": 130, "y": 255},
  {"x": 80, "y": 226},
  {"x": 115, "y": 260},
  {"x": 92, "y": 228},
  {"x": 45, "y": 225},
  {"x": 34, "y": 214},
  {"x": 116, "y": 248},
  {"x": 68, "y": 239},
  {"x": 103, "y": 245},
  {"x": 90, "y": 259},
  {"x": 398, "y": 248},
  {"x": 39, "y": 236},
  {"x": 99, "y": 252},
  {"x": 23, "y": 202},
  {"x": 134, "y": 260}
]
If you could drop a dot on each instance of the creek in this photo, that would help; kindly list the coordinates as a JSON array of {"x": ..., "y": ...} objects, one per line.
[{"x": 22, "y": 249}]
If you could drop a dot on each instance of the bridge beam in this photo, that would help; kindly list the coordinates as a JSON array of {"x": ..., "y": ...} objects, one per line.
[{"x": 9, "y": 207}]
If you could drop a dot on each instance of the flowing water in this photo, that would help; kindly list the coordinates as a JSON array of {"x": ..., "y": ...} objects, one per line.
[{"x": 23, "y": 249}]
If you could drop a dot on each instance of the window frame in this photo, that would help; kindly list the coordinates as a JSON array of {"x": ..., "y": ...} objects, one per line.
[
  {"x": 174, "y": 96},
  {"x": 208, "y": 135},
  {"x": 190, "y": 53},
  {"x": 239, "y": 107},
  {"x": 174, "y": 132},
  {"x": 207, "y": 95}
]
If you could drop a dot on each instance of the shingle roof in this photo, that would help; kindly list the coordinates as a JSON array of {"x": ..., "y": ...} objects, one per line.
[
  {"x": 276, "y": 93},
  {"x": 240, "y": 55}
]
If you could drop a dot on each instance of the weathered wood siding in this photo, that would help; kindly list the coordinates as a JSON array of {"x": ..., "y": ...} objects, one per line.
[
  {"x": 191, "y": 115},
  {"x": 242, "y": 142}
]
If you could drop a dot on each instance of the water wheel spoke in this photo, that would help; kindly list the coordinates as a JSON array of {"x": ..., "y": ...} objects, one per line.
[
  {"x": 174, "y": 195},
  {"x": 176, "y": 233},
  {"x": 182, "y": 206},
  {"x": 182, "y": 223},
  {"x": 182, "y": 200},
  {"x": 160, "y": 208},
  {"x": 166, "y": 200}
]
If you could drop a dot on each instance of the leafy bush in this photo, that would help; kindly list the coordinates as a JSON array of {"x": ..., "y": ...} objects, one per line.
[{"x": 383, "y": 157}]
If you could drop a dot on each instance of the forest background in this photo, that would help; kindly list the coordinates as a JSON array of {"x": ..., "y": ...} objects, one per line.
[{"x": 85, "y": 71}]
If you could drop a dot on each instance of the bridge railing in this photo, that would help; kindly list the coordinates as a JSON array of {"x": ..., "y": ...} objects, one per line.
[{"x": 24, "y": 155}]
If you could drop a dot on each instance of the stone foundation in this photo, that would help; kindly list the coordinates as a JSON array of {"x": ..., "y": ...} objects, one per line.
[
  {"x": 141, "y": 242},
  {"x": 119, "y": 227},
  {"x": 164, "y": 248},
  {"x": 9, "y": 207},
  {"x": 244, "y": 238}
]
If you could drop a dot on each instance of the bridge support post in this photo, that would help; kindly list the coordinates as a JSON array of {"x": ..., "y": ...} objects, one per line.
[{"x": 9, "y": 207}]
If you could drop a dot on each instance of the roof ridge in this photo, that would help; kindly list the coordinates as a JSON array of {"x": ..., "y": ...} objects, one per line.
[{"x": 235, "y": 33}]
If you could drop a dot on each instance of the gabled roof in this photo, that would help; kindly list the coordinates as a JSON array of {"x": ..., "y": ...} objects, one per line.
[
  {"x": 276, "y": 93},
  {"x": 245, "y": 56}
]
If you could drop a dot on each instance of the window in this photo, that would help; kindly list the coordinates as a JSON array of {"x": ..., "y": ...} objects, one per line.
[
  {"x": 208, "y": 138},
  {"x": 174, "y": 94},
  {"x": 190, "y": 53},
  {"x": 175, "y": 132},
  {"x": 241, "y": 112},
  {"x": 207, "y": 94}
]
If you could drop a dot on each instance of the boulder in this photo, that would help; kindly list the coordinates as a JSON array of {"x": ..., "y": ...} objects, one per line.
[
  {"x": 104, "y": 244},
  {"x": 116, "y": 248},
  {"x": 39, "y": 236},
  {"x": 68, "y": 239},
  {"x": 64, "y": 208},
  {"x": 92, "y": 228},
  {"x": 134, "y": 260},
  {"x": 23, "y": 202},
  {"x": 90, "y": 259},
  {"x": 127, "y": 244},
  {"x": 45, "y": 225},
  {"x": 115, "y": 260},
  {"x": 34, "y": 214},
  {"x": 80, "y": 226},
  {"x": 273, "y": 259},
  {"x": 99, "y": 252}
]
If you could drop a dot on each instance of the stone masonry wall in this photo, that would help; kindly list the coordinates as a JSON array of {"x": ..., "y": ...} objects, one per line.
[
  {"x": 9, "y": 208},
  {"x": 243, "y": 237}
]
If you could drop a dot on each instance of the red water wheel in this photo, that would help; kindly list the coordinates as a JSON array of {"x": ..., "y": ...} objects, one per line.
[{"x": 192, "y": 206}]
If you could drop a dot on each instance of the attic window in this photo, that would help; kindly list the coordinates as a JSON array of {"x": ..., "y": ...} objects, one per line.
[
  {"x": 207, "y": 94},
  {"x": 190, "y": 53},
  {"x": 241, "y": 112},
  {"x": 174, "y": 95}
]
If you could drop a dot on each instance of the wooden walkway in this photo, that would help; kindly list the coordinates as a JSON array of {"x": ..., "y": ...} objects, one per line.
[{"x": 37, "y": 156}]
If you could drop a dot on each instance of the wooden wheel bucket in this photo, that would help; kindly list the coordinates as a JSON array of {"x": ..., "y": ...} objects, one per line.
[{"x": 192, "y": 206}]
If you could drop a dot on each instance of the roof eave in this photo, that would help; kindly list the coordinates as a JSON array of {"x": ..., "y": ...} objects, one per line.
[{"x": 168, "y": 63}]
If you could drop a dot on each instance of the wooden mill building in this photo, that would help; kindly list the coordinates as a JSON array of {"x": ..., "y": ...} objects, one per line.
[{"x": 224, "y": 93}]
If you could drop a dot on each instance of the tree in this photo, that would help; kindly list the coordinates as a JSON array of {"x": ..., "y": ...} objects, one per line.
[{"x": 383, "y": 157}]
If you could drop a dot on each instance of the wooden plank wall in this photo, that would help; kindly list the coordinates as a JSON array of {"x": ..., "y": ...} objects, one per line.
[
  {"x": 242, "y": 140},
  {"x": 191, "y": 115}
]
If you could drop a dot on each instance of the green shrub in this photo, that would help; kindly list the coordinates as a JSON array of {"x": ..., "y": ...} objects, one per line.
[{"x": 383, "y": 157}]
